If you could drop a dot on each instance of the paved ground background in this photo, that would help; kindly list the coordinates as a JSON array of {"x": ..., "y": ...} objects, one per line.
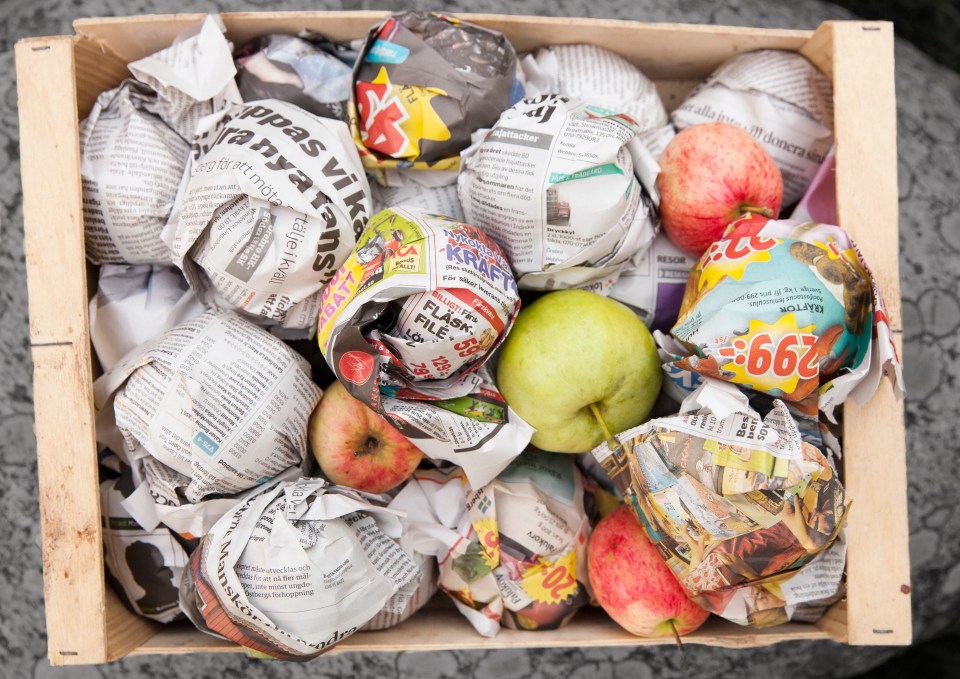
[{"x": 929, "y": 144}]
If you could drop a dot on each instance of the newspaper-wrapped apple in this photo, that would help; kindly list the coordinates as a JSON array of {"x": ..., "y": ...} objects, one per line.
[
  {"x": 555, "y": 182},
  {"x": 295, "y": 568},
  {"x": 272, "y": 206},
  {"x": 125, "y": 212},
  {"x": 424, "y": 83},
  {"x": 220, "y": 404},
  {"x": 297, "y": 71},
  {"x": 786, "y": 308},
  {"x": 746, "y": 515},
  {"x": 146, "y": 564},
  {"x": 778, "y": 97},
  {"x": 135, "y": 143},
  {"x": 407, "y": 324},
  {"x": 523, "y": 560},
  {"x": 603, "y": 78}
]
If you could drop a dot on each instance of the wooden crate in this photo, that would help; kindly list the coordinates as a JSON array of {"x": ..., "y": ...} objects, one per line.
[{"x": 59, "y": 79}]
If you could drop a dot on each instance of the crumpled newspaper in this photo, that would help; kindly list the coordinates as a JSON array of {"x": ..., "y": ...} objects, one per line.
[
  {"x": 746, "y": 515},
  {"x": 521, "y": 560},
  {"x": 135, "y": 143},
  {"x": 295, "y": 568},
  {"x": 425, "y": 536},
  {"x": 272, "y": 206},
  {"x": 296, "y": 70},
  {"x": 407, "y": 324},
  {"x": 219, "y": 404},
  {"x": 133, "y": 304},
  {"x": 781, "y": 99},
  {"x": 423, "y": 83},
  {"x": 440, "y": 200},
  {"x": 602, "y": 78},
  {"x": 146, "y": 563},
  {"x": 567, "y": 190},
  {"x": 653, "y": 285},
  {"x": 790, "y": 309}
]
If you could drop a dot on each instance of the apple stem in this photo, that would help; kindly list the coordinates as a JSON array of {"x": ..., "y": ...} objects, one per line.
[
  {"x": 676, "y": 635},
  {"x": 765, "y": 211},
  {"x": 611, "y": 441}
]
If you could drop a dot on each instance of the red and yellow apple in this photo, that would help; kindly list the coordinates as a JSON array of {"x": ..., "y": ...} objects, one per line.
[
  {"x": 633, "y": 584},
  {"x": 357, "y": 447},
  {"x": 710, "y": 175}
]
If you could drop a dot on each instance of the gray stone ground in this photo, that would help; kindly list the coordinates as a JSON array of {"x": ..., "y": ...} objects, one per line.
[{"x": 929, "y": 142}]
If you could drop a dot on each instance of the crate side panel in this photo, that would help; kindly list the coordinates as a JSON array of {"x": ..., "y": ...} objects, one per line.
[
  {"x": 878, "y": 565},
  {"x": 444, "y": 628},
  {"x": 98, "y": 69}
]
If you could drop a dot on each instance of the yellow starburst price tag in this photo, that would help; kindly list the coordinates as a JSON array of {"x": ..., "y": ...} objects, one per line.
[
  {"x": 730, "y": 258},
  {"x": 552, "y": 580},
  {"x": 773, "y": 355},
  {"x": 489, "y": 535}
]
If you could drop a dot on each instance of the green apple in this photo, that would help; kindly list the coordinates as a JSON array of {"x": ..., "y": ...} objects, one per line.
[{"x": 578, "y": 367}]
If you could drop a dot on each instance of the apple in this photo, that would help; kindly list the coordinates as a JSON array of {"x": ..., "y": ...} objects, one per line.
[
  {"x": 710, "y": 175},
  {"x": 357, "y": 447},
  {"x": 633, "y": 584},
  {"x": 578, "y": 367}
]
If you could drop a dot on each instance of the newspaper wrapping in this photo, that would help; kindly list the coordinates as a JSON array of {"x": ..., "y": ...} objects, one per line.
[
  {"x": 441, "y": 200},
  {"x": 781, "y": 99},
  {"x": 555, "y": 182},
  {"x": 745, "y": 514},
  {"x": 135, "y": 143},
  {"x": 423, "y": 83},
  {"x": 789, "y": 309},
  {"x": 156, "y": 499},
  {"x": 521, "y": 560},
  {"x": 146, "y": 563},
  {"x": 135, "y": 303},
  {"x": 272, "y": 206},
  {"x": 604, "y": 78},
  {"x": 653, "y": 285},
  {"x": 220, "y": 404},
  {"x": 407, "y": 324},
  {"x": 295, "y": 70},
  {"x": 295, "y": 568}
]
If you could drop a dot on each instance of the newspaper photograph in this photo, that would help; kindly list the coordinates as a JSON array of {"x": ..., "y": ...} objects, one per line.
[
  {"x": 220, "y": 402},
  {"x": 781, "y": 99},
  {"x": 273, "y": 204},
  {"x": 556, "y": 183},
  {"x": 737, "y": 505},
  {"x": 146, "y": 563},
  {"x": 407, "y": 324},
  {"x": 295, "y": 568}
]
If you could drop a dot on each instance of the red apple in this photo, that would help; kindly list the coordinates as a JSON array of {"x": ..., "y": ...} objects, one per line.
[
  {"x": 710, "y": 175},
  {"x": 633, "y": 584},
  {"x": 357, "y": 447}
]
